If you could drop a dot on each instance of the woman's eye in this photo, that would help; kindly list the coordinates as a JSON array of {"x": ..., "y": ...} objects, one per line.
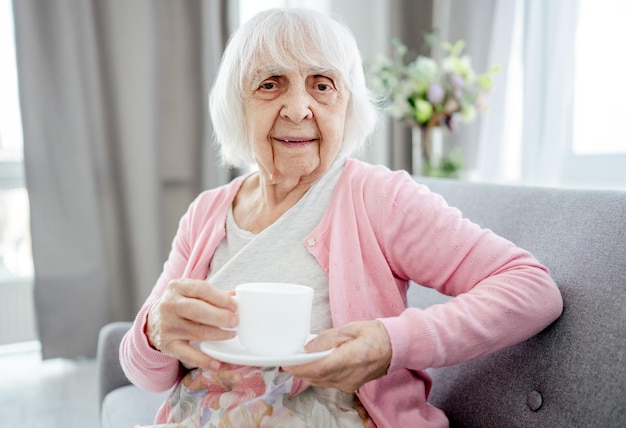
[
  {"x": 323, "y": 84},
  {"x": 324, "y": 87},
  {"x": 268, "y": 86}
]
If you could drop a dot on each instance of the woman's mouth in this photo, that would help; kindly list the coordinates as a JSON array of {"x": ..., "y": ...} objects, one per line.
[{"x": 295, "y": 140}]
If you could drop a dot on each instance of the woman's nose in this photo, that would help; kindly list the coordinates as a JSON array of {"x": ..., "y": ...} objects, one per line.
[{"x": 297, "y": 105}]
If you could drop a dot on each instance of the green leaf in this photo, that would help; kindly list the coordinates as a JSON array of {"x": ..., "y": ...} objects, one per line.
[
  {"x": 458, "y": 47},
  {"x": 496, "y": 68},
  {"x": 485, "y": 81}
]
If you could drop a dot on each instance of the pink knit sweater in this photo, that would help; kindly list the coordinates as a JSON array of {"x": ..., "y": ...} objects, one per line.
[{"x": 381, "y": 230}]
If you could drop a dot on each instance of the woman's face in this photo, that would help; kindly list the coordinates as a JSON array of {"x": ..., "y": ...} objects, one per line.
[{"x": 295, "y": 121}]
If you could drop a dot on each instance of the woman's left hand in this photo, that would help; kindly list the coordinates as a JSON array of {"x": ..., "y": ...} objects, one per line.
[{"x": 362, "y": 353}]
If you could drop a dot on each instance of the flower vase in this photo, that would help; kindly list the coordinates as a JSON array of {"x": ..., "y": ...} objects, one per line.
[{"x": 427, "y": 150}]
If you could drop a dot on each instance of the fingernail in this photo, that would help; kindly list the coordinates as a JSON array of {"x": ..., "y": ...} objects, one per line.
[
  {"x": 234, "y": 321},
  {"x": 233, "y": 305}
]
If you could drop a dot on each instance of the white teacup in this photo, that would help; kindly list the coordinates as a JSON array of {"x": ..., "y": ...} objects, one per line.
[{"x": 274, "y": 318}]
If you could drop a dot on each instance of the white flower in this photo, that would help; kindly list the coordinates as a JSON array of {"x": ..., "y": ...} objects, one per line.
[{"x": 424, "y": 68}]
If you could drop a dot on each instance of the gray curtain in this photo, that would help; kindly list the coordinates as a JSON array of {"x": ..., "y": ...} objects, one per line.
[
  {"x": 117, "y": 142},
  {"x": 409, "y": 21}
]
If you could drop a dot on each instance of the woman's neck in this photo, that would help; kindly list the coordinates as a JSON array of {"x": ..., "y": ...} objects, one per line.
[{"x": 261, "y": 201}]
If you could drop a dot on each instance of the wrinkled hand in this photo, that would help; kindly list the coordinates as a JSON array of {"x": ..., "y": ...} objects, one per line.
[
  {"x": 362, "y": 353},
  {"x": 191, "y": 310}
]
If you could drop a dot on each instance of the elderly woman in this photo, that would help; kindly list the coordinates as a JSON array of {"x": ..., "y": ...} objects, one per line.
[{"x": 290, "y": 98}]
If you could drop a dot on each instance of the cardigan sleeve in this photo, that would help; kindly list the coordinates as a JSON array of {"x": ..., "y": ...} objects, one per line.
[
  {"x": 145, "y": 366},
  {"x": 503, "y": 295},
  {"x": 199, "y": 232}
]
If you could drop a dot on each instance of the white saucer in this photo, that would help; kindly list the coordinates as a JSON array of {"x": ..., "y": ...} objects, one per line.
[{"x": 232, "y": 351}]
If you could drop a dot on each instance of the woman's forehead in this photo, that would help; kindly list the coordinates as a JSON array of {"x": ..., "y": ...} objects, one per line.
[{"x": 273, "y": 69}]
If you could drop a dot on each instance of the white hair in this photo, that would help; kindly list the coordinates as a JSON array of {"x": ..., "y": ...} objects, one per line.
[{"x": 286, "y": 38}]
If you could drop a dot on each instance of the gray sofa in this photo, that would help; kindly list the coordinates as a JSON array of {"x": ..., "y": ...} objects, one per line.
[{"x": 573, "y": 374}]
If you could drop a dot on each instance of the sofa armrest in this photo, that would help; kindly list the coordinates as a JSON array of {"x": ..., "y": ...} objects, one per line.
[{"x": 110, "y": 373}]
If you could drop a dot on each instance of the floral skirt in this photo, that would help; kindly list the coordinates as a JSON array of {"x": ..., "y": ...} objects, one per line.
[{"x": 241, "y": 396}]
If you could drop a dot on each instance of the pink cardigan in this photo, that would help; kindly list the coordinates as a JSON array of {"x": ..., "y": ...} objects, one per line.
[{"x": 380, "y": 230}]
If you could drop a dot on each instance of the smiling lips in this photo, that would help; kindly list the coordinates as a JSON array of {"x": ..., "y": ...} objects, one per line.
[{"x": 295, "y": 140}]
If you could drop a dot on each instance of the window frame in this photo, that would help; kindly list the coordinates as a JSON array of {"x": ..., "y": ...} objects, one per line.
[
  {"x": 601, "y": 171},
  {"x": 12, "y": 174}
]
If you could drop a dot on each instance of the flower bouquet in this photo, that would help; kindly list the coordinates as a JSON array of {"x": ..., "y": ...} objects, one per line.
[{"x": 428, "y": 94}]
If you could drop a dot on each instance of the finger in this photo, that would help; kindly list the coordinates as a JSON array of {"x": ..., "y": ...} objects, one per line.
[
  {"x": 191, "y": 356},
  {"x": 332, "y": 371},
  {"x": 170, "y": 320},
  {"x": 327, "y": 339},
  {"x": 319, "y": 371},
  {"x": 192, "y": 331},
  {"x": 321, "y": 368},
  {"x": 203, "y": 313},
  {"x": 200, "y": 302},
  {"x": 203, "y": 290}
]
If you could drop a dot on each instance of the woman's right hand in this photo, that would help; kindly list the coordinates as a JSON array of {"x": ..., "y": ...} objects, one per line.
[{"x": 191, "y": 310}]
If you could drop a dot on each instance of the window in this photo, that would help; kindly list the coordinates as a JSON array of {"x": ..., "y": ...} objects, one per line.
[
  {"x": 17, "y": 318},
  {"x": 567, "y": 133},
  {"x": 597, "y": 157},
  {"x": 599, "y": 91},
  {"x": 15, "y": 255}
]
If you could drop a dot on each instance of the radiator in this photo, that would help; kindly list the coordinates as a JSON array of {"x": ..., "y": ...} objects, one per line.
[{"x": 17, "y": 311}]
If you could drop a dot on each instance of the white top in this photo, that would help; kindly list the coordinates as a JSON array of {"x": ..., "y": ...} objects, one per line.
[{"x": 277, "y": 254}]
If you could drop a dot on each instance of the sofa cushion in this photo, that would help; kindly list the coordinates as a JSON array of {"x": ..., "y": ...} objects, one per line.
[
  {"x": 128, "y": 405},
  {"x": 574, "y": 372}
]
